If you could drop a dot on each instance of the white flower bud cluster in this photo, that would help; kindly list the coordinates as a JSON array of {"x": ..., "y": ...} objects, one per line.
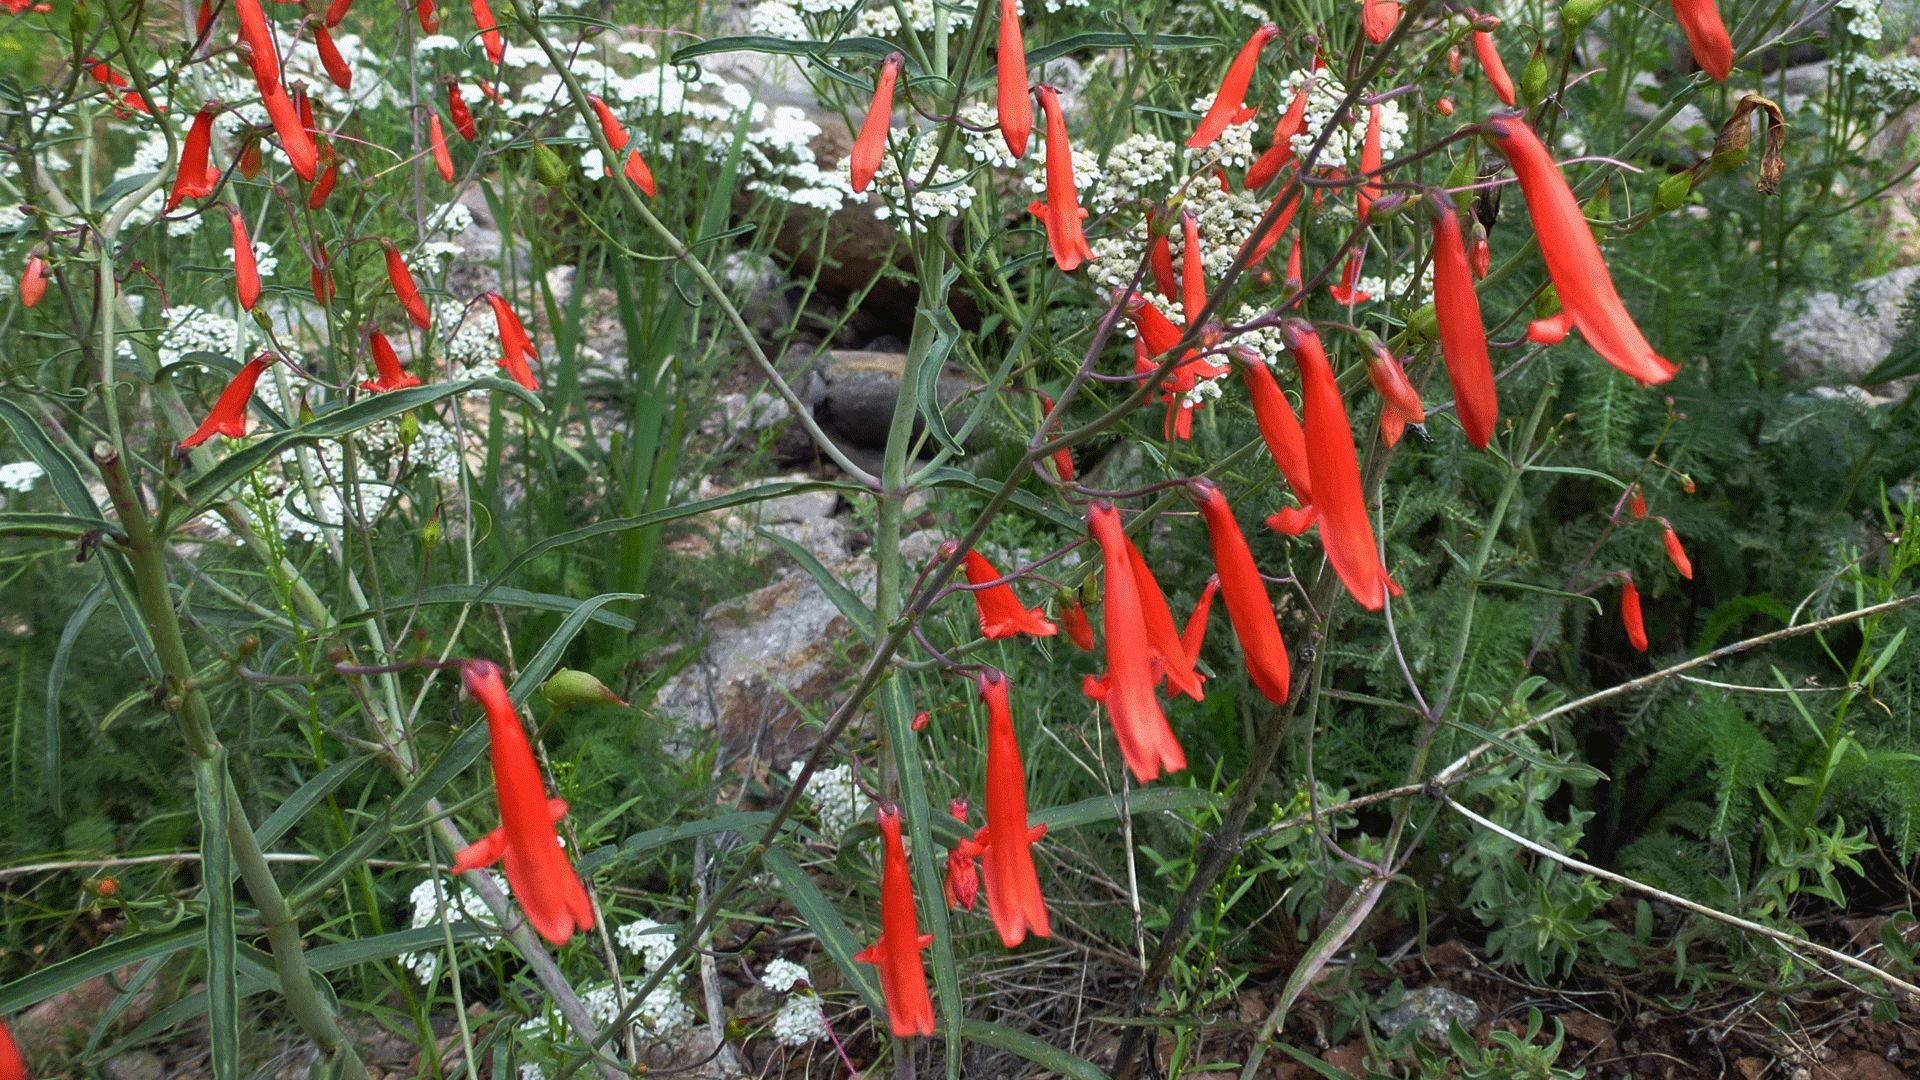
[
  {"x": 1343, "y": 148},
  {"x": 836, "y": 799},
  {"x": 1865, "y": 20},
  {"x": 652, "y": 941},
  {"x": 799, "y": 1020},
  {"x": 435, "y": 902}
]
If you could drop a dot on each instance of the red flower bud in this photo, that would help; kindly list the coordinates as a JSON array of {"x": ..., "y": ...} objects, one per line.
[
  {"x": 1015, "y": 103},
  {"x": 404, "y": 289},
  {"x": 246, "y": 272},
  {"x": 1675, "y": 552},
  {"x": 462, "y": 116},
  {"x": 872, "y": 143},
  {"x": 1378, "y": 18},
  {"x": 1636, "y": 503},
  {"x": 33, "y": 281},
  {"x": 336, "y": 10},
  {"x": 1630, "y": 615},
  {"x": 331, "y": 60},
  {"x": 489, "y": 33},
  {"x": 1463, "y": 338},
  {"x": 429, "y": 16},
  {"x": 1706, "y": 36},
  {"x": 1490, "y": 62},
  {"x": 437, "y": 139}
]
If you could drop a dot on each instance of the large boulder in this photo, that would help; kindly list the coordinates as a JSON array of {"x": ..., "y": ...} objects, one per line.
[{"x": 1844, "y": 336}]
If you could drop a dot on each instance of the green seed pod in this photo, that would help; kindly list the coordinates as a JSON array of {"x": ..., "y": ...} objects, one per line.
[
  {"x": 1576, "y": 14},
  {"x": 547, "y": 166},
  {"x": 570, "y": 687},
  {"x": 1462, "y": 175},
  {"x": 1599, "y": 208},
  {"x": 1089, "y": 591},
  {"x": 1424, "y": 324},
  {"x": 1533, "y": 79},
  {"x": 1672, "y": 193}
]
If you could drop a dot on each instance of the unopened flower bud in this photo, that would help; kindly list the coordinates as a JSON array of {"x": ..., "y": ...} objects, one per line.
[
  {"x": 1424, "y": 324},
  {"x": 570, "y": 687},
  {"x": 547, "y": 166},
  {"x": 1533, "y": 79},
  {"x": 920, "y": 720},
  {"x": 1576, "y": 14},
  {"x": 1672, "y": 193},
  {"x": 1444, "y": 106}
]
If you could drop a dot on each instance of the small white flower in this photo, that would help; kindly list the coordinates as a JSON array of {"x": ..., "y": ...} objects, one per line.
[
  {"x": 836, "y": 799},
  {"x": 780, "y": 975},
  {"x": 799, "y": 1021},
  {"x": 653, "y": 942},
  {"x": 20, "y": 476}
]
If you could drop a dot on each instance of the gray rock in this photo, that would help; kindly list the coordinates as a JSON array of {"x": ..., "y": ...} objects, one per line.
[
  {"x": 1844, "y": 337},
  {"x": 858, "y": 392},
  {"x": 135, "y": 1065},
  {"x": 1433, "y": 1008}
]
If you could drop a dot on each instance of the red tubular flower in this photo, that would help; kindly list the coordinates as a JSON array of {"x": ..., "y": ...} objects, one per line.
[
  {"x": 1013, "y": 889},
  {"x": 202, "y": 18},
  {"x": 331, "y": 60},
  {"x": 1157, "y": 331},
  {"x": 543, "y": 880},
  {"x": 1551, "y": 330},
  {"x": 1630, "y": 615},
  {"x": 1001, "y": 613},
  {"x": 1706, "y": 36},
  {"x": 610, "y": 125},
  {"x": 963, "y": 878},
  {"x": 1166, "y": 644},
  {"x": 229, "y": 415},
  {"x": 33, "y": 281},
  {"x": 1292, "y": 122},
  {"x": 1637, "y": 503},
  {"x": 1295, "y": 279},
  {"x": 336, "y": 11},
  {"x": 1347, "y": 293},
  {"x": 1146, "y": 742},
  {"x": 1479, "y": 255},
  {"x": 195, "y": 179},
  {"x": 250, "y": 159},
  {"x": 1193, "y": 281},
  {"x": 1345, "y": 530},
  {"x": 1378, "y": 18},
  {"x": 246, "y": 272},
  {"x": 1074, "y": 617},
  {"x": 1195, "y": 633},
  {"x": 1285, "y": 440},
  {"x": 263, "y": 56},
  {"x": 489, "y": 33},
  {"x": 1490, "y": 62},
  {"x": 638, "y": 172},
  {"x": 323, "y": 187},
  {"x": 103, "y": 74},
  {"x": 12, "y": 1065},
  {"x": 1261, "y": 243},
  {"x": 1248, "y": 605},
  {"x": 1063, "y": 457},
  {"x": 903, "y": 979},
  {"x": 429, "y": 16},
  {"x": 1226, "y": 109},
  {"x": 1061, "y": 212},
  {"x": 492, "y": 847},
  {"x": 872, "y": 143},
  {"x": 1573, "y": 260},
  {"x": 1675, "y": 552},
  {"x": 462, "y": 116},
  {"x": 294, "y": 137},
  {"x": 516, "y": 347},
  {"x": 1463, "y": 338},
  {"x": 1370, "y": 162},
  {"x": 392, "y": 376},
  {"x": 1016, "y": 105},
  {"x": 320, "y": 277},
  {"x": 1390, "y": 381},
  {"x": 1160, "y": 262},
  {"x": 437, "y": 139},
  {"x": 404, "y": 289}
]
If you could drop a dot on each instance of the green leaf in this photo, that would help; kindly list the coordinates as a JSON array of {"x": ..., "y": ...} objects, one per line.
[
  {"x": 1896, "y": 366},
  {"x": 825, "y": 922},
  {"x": 926, "y": 384},
  {"x": 653, "y": 838},
  {"x": 672, "y": 513},
  {"x": 1034, "y": 1049},
  {"x": 520, "y": 598},
  {"x": 1107, "y": 807},
  {"x": 24, "y": 524},
  {"x": 206, "y": 487},
  {"x": 1025, "y": 500},
  {"x": 305, "y": 798},
  {"x": 216, "y": 874},
  {"x": 57, "y": 681},
  {"x": 1111, "y": 40},
  {"x": 537, "y": 669},
  {"x": 875, "y": 48},
  {"x": 102, "y": 960},
  {"x": 120, "y": 189},
  {"x": 849, "y": 602}
]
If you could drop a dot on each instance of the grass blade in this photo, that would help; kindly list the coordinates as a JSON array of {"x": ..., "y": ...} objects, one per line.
[
  {"x": 537, "y": 669},
  {"x": 825, "y": 921}
]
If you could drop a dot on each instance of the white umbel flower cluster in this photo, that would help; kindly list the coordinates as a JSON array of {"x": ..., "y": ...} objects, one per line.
[
  {"x": 435, "y": 902},
  {"x": 836, "y": 799},
  {"x": 1343, "y": 148},
  {"x": 652, "y": 942},
  {"x": 799, "y": 1020},
  {"x": 20, "y": 476}
]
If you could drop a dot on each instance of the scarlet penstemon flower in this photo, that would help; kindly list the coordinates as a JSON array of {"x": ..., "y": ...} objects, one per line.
[
  {"x": 1348, "y": 293},
  {"x": 1675, "y": 552},
  {"x": 12, "y": 1065},
  {"x": 1280, "y": 430},
  {"x": 1370, "y": 162},
  {"x": 1015, "y": 103},
  {"x": 429, "y": 16},
  {"x": 963, "y": 878},
  {"x": 542, "y": 879},
  {"x": 516, "y": 347},
  {"x": 323, "y": 187},
  {"x": 250, "y": 159},
  {"x": 1146, "y": 742},
  {"x": 461, "y": 115},
  {"x": 489, "y": 34},
  {"x": 1073, "y": 617},
  {"x": 1226, "y": 109},
  {"x": 872, "y": 143},
  {"x": 1013, "y": 889},
  {"x": 1193, "y": 282},
  {"x": 1490, "y": 62},
  {"x": 1295, "y": 279},
  {"x": 1001, "y": 613},
  {"x": 1262, "y": 242},
  {"x": 1248, "y": 605},
  {"x": 1551, "y": 330},
  {"x": 1378, "y": 18},
  {"x": 492, "y": 847},
  {"x": 262, "y": 55},
  {"x": 195, "y": 179},
  {"x": 1160, "y": 262},
  {"x": 330, "y": 59},
  {"x": 437, "y": 139},
  {"x": 903, "y": 979},
  {"x": 336, "y": 11},
  {"x": 1573, "y": 260},
  {"x": 202, "y": 18},
  {"x": 1341, "y": 506},
  {"x": 1063, "y": 457},
  {"x": 637, "y": 171},
  {"x": 229, "y": 415},
  {"x": 33, "y": 281},
  {"x": 246, "y": 271},
  {"x": 294, "y": 138},
  {"x": 1636, "y": 503},
  {"x": 1061, "y": 211},
  {"x": 1706, "y": 36},
  {"x": 387, "y": 363},
  {"x": 1463, "y": 337},
  {"x": 1194, "y": 634},
  {"x": 1291, "y": 123},
  {"x": 1630, "y": 614},
  {"x": 1165, "y": 642},
  {"x": 610, "y": 125},
  {"x": 404, "y": 289},
  {"x": 1390, "y": 381}
]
